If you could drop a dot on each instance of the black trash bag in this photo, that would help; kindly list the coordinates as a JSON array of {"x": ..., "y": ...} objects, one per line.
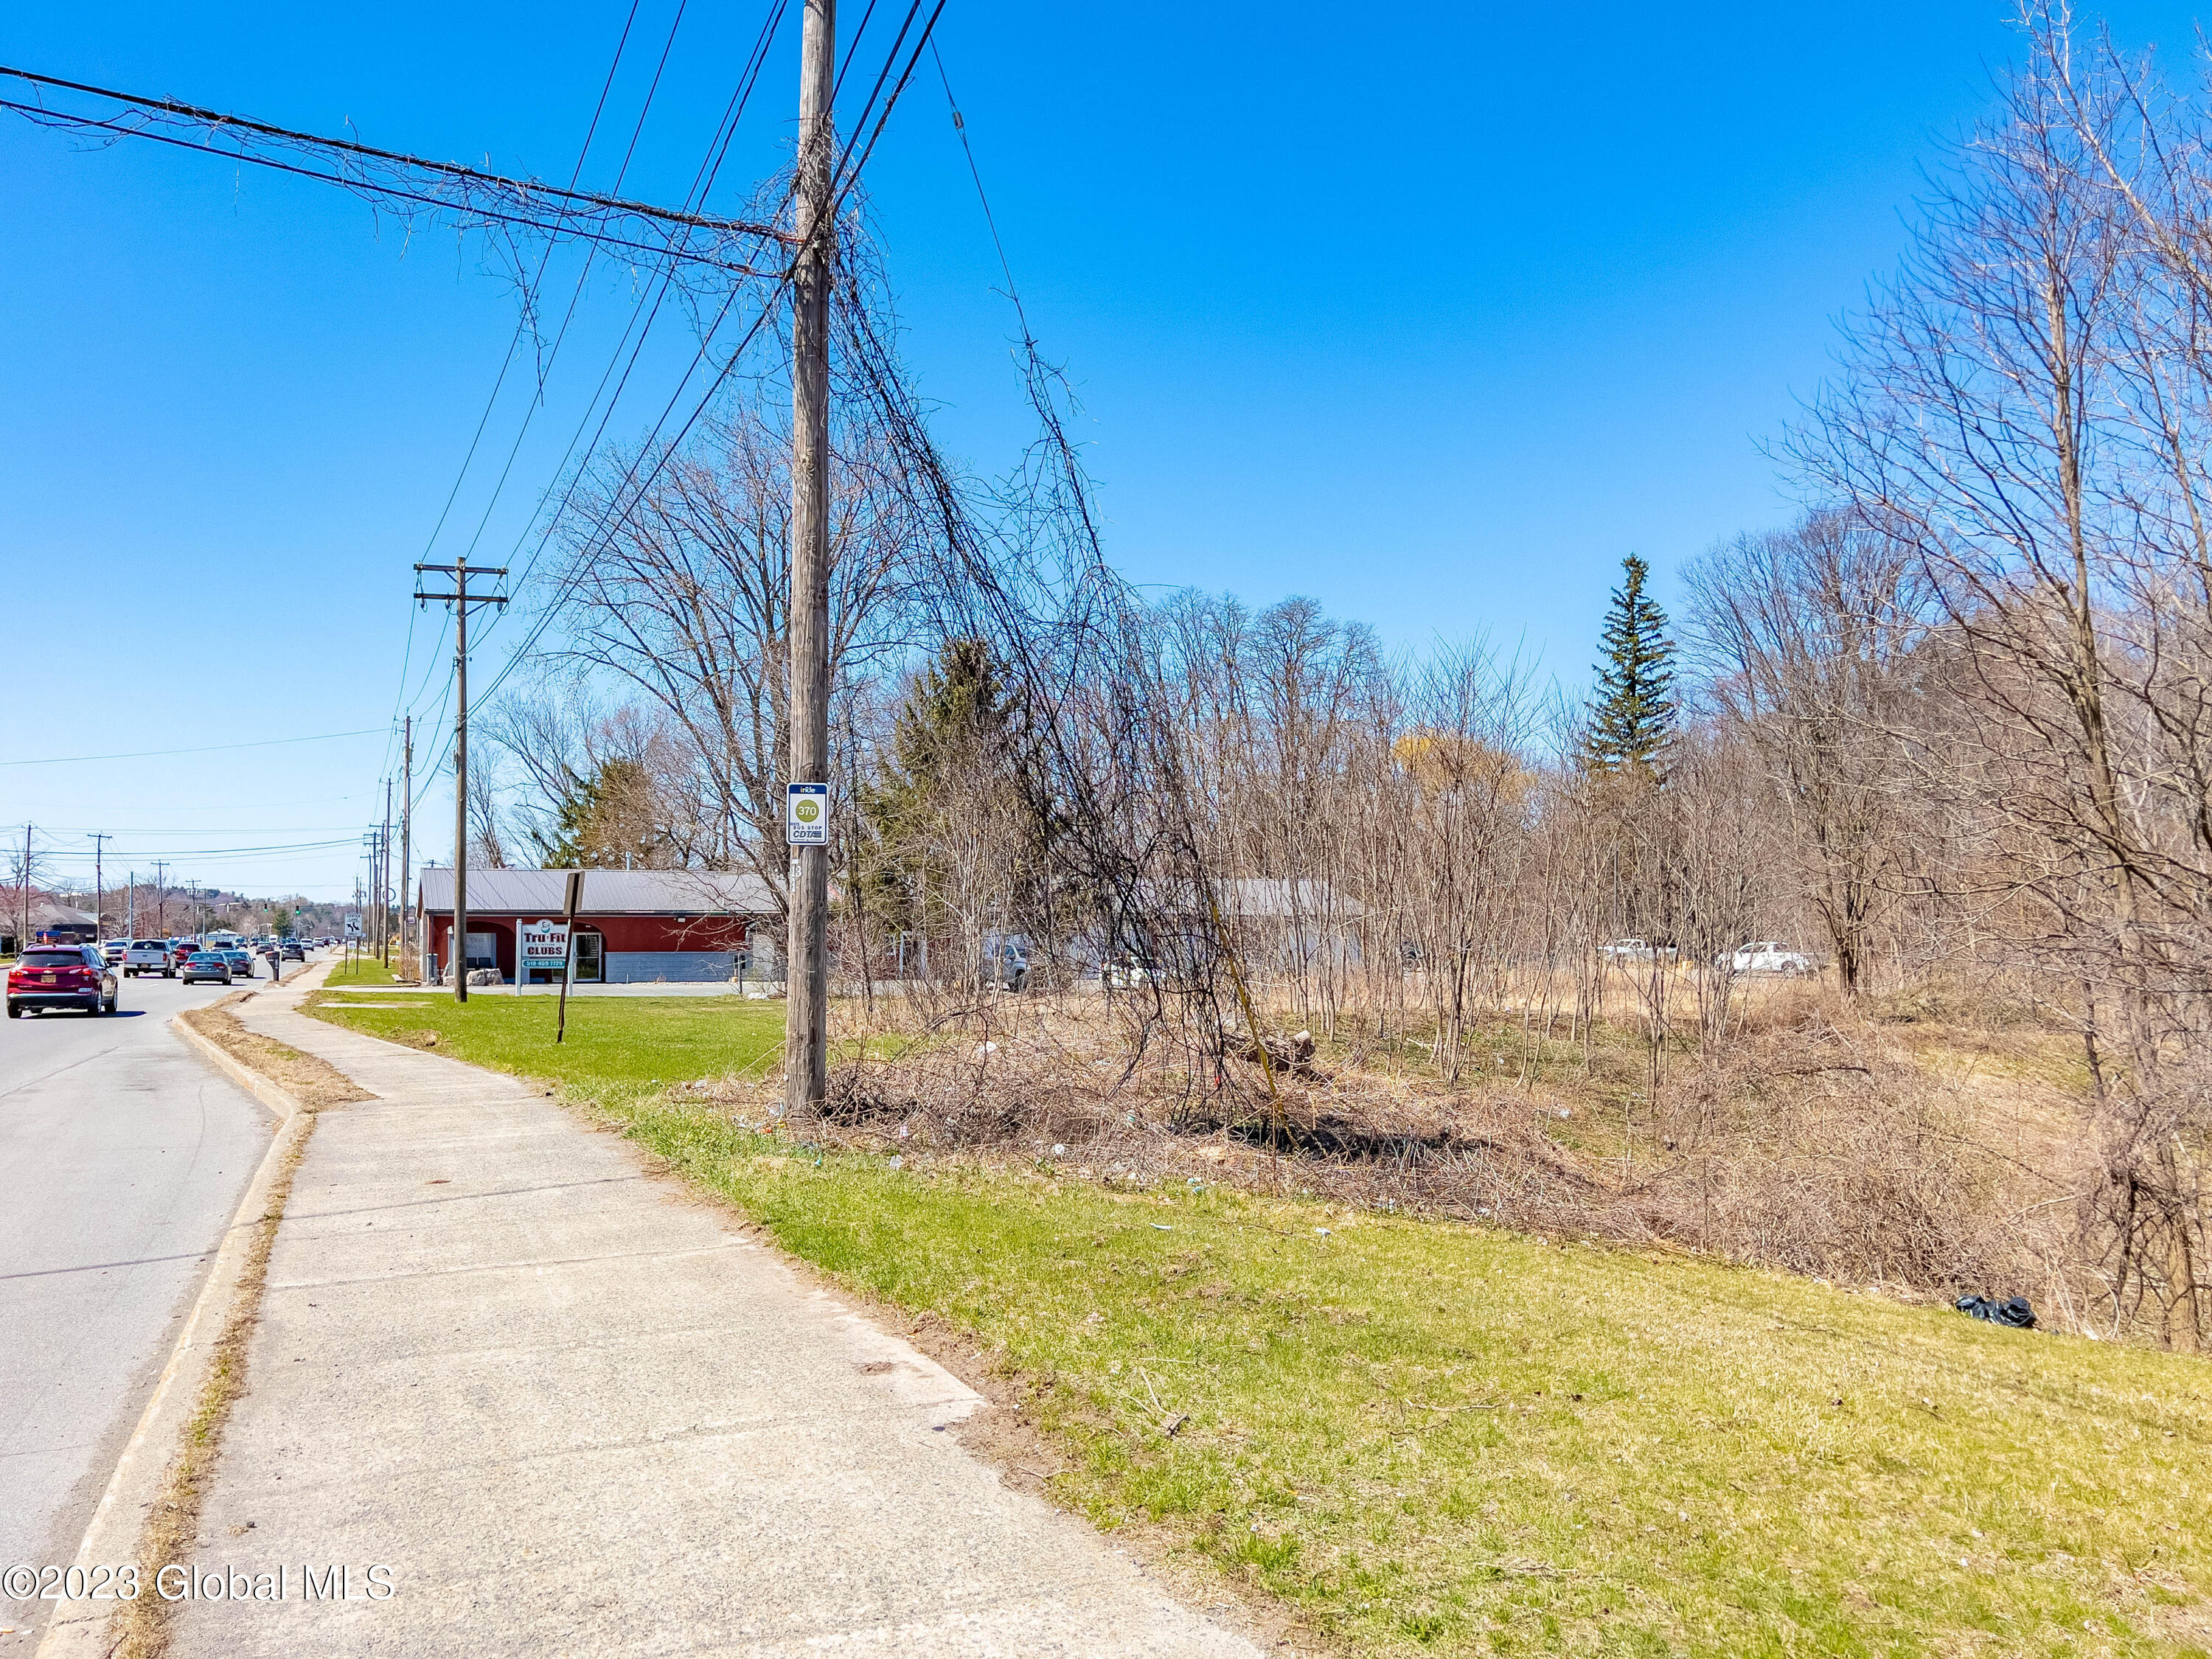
[{"x": 2014, "y": 1312}]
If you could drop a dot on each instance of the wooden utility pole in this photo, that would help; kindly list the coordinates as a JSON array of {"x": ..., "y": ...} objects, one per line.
[
  {"x": 99, "y": 888},
  {"x": 461, "y": 599},
  {"x": 406, "y": 831},
  {"x": 806, "y": 970},
  {"x": 384, "y": 872}
]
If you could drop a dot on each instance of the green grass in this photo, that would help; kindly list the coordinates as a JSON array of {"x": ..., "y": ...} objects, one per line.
[
  {"x": 361, "y": 970},
  {"x": 611, "y": 1042},
  {"x": 1429, "y": 1438}
]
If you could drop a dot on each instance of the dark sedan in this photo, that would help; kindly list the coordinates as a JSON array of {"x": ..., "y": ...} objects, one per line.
[
  {"x": 206, "y": 965},
  {"x": 62, "y": 976}
]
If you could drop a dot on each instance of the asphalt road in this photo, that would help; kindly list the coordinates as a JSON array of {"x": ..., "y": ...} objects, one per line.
[{"x": 122, "y": 1156}]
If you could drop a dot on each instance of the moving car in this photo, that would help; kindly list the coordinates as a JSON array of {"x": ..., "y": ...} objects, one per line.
[
  {"x": 180, "y": 949},
  {"x": 149, "y": 955},
  {"x": 293, "y": 950},
  {"x": 62, "y": 976},
  {"x": 1767, "y": 956},
  {"x": 240, "y": 960},
  {"x": 113, "y": 950},
  {"x": 204, "y": 965}
]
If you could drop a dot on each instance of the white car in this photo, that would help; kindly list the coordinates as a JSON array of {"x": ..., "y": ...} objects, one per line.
[
  {"x": 1767, "y": 956},
  {"x": 1633, "y": 950}
]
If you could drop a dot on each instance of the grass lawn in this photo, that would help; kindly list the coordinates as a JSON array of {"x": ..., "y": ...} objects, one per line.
[
  {"x": 361, "y": 970},
  {"x": 1431, "y": 1438},
  {"x": 611, "y": 1042}
]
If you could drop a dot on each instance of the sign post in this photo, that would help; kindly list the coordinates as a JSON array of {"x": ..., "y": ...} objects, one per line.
[{"x": 575, "y": 899}]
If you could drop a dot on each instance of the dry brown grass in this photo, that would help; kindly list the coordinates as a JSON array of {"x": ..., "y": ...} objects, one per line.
[
  {"x": 312, "y": 1082},
  {"x": 1918, "y": 1156},
  {"x": 142, "y": 1626}
]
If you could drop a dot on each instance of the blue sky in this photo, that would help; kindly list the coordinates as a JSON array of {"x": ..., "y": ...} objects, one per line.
[{"x": 1433, "y": 325}]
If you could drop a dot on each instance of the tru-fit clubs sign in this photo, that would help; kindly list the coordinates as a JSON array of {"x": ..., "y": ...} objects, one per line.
[
  {"x": 544, "y": 944},
  {"x": 806, "y": 814}
]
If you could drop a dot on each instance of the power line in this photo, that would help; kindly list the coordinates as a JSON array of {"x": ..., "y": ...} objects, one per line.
[
  {"x": 851, "y": 177},
  {"x": 703, "y": 183},
  {"x": 206, "y": 749},
  {"x": 521, "y": 323},
  {"x": 525, "y": 189}
]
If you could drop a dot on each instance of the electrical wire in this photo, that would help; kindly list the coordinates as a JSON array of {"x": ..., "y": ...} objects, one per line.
[
  {"x": 205, "y": 748},
  {"x": 590, "y": 132},
  {"x": 824, "y": 228}
]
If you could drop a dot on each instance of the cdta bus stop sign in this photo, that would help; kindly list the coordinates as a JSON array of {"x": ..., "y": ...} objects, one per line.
[{"x": 806, "y": 814}]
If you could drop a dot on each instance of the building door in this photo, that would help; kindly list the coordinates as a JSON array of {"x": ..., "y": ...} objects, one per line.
[{"x": 590, "y": 957}]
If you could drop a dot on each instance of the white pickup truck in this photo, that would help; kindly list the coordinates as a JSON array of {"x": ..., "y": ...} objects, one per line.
[{"x": 149, "y": 955}]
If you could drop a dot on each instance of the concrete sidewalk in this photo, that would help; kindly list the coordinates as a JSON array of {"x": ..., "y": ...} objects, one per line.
[{"x": 573, "y": 1412}]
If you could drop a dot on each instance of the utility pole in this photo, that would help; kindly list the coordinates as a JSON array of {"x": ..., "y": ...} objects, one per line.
[
  {"x": 23, "y": 938},
  {"x": 383, "y": 871},
  {"x": 131, "y": 909},
  {"x": 806, "y": 971},
  {"x": 406, "y": 827},
  {"x": 99, "y": 888},
  {"x": 368, "y": 913},
  {"x": 460, "y": 598},
  {"x": 161, "y": 898}
]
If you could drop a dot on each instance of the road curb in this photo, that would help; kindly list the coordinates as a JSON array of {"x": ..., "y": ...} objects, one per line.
[{"x": 119, "y": 1519}]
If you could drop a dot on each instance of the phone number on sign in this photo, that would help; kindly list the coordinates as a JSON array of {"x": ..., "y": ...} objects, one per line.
[{"x": 174, "y": 1582}]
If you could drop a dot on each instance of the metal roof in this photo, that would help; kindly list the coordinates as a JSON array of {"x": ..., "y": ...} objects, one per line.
[{"x": 606, "y": 892}]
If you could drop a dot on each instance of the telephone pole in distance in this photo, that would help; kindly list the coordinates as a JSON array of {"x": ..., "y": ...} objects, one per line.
[
  {"x": 460, "y": 598},
  {"x": 406, "y": 828}
]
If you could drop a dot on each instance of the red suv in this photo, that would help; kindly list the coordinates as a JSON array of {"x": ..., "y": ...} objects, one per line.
[{"x": 62, "y": 976}]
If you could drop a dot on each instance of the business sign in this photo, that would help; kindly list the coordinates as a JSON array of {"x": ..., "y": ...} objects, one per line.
[
  {"x": 544, "y": 944},
  {"x": 806, "y": 814}
]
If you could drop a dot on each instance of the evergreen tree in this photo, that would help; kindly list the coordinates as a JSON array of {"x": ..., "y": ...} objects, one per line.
[
  {"x": 1632, "y": 715},
  {"x": 945, "y": 738},
  {"x": 604, "y": 821}
]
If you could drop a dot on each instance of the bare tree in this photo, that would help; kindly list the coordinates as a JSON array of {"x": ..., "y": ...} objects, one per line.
[{"x": 1806, "y": 637}]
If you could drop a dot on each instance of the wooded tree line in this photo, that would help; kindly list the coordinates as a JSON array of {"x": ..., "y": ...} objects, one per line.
[{"x": 1954, "y": 725}]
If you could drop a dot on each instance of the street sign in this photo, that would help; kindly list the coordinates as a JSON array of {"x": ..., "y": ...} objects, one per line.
[{"x": 806, "y": 814}]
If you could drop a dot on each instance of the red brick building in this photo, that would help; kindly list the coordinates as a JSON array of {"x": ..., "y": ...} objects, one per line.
[{"x": 634, "y": 926}]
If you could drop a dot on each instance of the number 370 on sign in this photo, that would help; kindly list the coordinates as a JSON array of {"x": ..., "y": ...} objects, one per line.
[{"x": 806, "y": 814}]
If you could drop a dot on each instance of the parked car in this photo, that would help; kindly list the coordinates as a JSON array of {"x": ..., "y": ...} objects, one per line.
[
  {"x": 1006, "y": 962},
  {"x": 1767, "y": 956},
  {"x": 241, "y": 961},
  {"x": 62, "y": 976},
  {"x": 149, "y": 955},
  {"x": 1127, "y": 973},
  {"x": 207, "y": 965},
  {"x": 1635, "y": 949}
]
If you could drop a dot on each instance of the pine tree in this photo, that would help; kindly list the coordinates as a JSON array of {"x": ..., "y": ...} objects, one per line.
[
  {"x": 946, "y": 738},
  {"x": 1632, "y": 715}
]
